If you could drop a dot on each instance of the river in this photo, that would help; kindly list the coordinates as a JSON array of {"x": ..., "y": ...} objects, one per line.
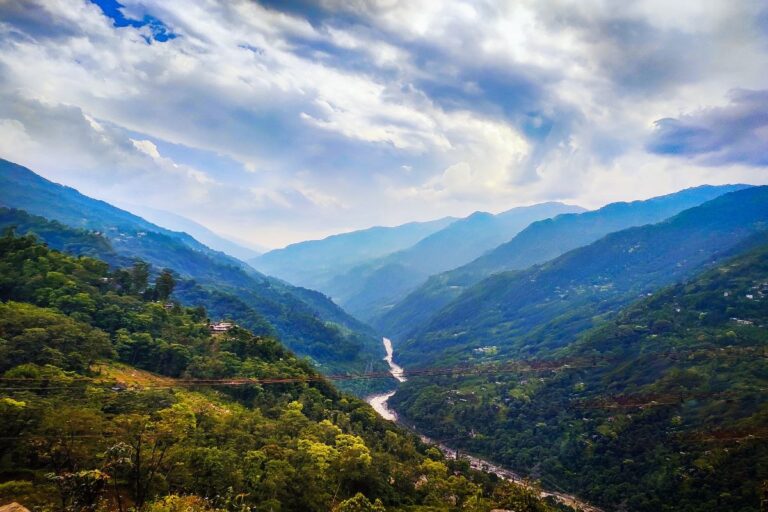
[{"x": 380, "y": 403}]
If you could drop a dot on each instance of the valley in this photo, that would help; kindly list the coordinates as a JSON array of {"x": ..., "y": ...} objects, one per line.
[
  {"x": 383, "y": 256},
  {"x": 380, "y": 404},
  {"x": 548, "y": 371}
]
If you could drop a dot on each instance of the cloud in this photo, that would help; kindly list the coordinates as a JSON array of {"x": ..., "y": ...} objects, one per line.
[
  {"x": 734, "y": 133},
  {"x": 110, "y": 163},
  {"x": 275, "y": 120},
  {"x": 74, "y": 148},
  {"x": 146, "y": 147}
]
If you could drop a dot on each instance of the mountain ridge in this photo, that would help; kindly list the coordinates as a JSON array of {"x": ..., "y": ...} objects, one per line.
[
  {"x": 537, "y": 243},
  {"x": 224, "y": 284},
  {"x": 366, "y": 288},
  {"x": 661, "y": 408},
  {"x": 571, "y": 290},
  {"x": 198, "y": 231},
  {"x": 312, "y": 262}
]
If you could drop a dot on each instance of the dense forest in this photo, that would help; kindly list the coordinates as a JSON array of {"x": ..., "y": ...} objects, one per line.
[
  {"x": 661, "y": 408},
  {"x": 115, "y": 397}
]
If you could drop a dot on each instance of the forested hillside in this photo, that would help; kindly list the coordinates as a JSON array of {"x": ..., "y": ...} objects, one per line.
[
  {"x": 662, "y": 408},
  {"x": 547, "y": 306},
  {"x": 113, "y": 398},
  {"x": 225, "y": 285},
  {"x": 537, "y": 243}
]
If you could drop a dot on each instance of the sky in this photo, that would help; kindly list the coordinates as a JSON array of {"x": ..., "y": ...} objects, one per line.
[{"x": 278, "y": 121}]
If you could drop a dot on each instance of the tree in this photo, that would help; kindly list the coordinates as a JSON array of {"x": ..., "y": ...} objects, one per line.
[
  {"x": 139, "y": 277},
  {"x": 150, "y": 439},
  {"x": 164, "y": 284},
  {"x": 359, "y": 503},
  {"x": 81, "y": 491}
]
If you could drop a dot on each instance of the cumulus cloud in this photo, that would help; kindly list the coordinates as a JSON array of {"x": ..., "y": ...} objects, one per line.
[{"x": 72, "y": 147}]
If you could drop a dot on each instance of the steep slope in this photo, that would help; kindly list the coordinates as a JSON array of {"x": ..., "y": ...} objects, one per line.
[
  {"x": 662, "y": 409},
  {"x": 539, "y": 242},
  {"x": 332, "y": 340},
  {"x": 545, "y": 306},
  {"x": 369, "y": 288},
  {"x": 110, "y": 400},
  {"x": 199, "y": 232},
  {"x": 314, "y": 263},
  {"x": 226, "y": 286},
  {"x": 75, "y": 241},
  {"x": 21, "y": 188}
]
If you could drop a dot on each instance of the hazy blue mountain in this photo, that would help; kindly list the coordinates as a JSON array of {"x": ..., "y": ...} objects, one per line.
[
  {"x": 539, "y": 242},
  {"x": 368, "y": 289},
  {"x": 198, "y": 231},
  {"x": 546, "y": 306},
  {"x": 227, "y": 287},
  {"x": 316, "y": 262}
]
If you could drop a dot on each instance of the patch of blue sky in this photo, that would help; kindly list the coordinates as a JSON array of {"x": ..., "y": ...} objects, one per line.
[{"x": 113, "y": 9}]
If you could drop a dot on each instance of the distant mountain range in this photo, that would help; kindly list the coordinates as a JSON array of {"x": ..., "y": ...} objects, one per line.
[
  {"x": 307, "y": 322},
  {"x": 368, "y": 289},
  {"x": 537, "y": 243},
  {"x": 199, "y": 232},
  {"x": 546, "y": 306},
  {"x": 366, "y": 271},
  {"x": 315, "y": 263}
]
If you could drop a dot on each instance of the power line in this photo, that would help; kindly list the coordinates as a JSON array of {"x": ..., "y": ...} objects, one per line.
[{"x": 514, "y": 365}]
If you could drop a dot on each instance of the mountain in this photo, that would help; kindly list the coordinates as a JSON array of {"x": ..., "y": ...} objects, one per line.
[
  {"x": 75, "y": 241},
  {"x": 227, "y": 287},
  {"x": 112, "y": 401},
  {"x": 546, "y": 306},
  {"x": 315, "y": 262},
  {"x": 370, "y": 288},
  {"x": 662, "y": 408},
  {"x": 537, "y": 243},
  {"x": 198, "y": 231}
]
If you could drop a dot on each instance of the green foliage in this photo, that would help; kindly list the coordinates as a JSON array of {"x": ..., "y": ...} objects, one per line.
[
  {"x": 46, "y": 337},
  {"x": 85, "y": 428},
  {"x": 359, "y": 503},
  {"x": 165, "y": 284},
  {"x": 175, "y": 503}
]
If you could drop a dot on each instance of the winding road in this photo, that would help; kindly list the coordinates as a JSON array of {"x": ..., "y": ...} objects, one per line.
[{"x": 380, "y": 403}]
